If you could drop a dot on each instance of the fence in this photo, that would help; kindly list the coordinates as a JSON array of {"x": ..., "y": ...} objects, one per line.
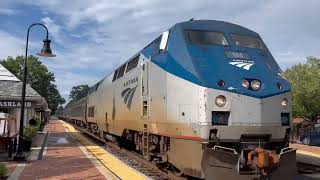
[{"x": 310, "y": 136}]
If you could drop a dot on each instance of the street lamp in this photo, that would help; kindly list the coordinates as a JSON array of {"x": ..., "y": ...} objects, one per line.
[{"x": 46, "y": 52}]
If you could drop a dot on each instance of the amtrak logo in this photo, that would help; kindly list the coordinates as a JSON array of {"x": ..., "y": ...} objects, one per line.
[
  {"x": 244, "y": 64},
  {"x": 127, "y": 95}
]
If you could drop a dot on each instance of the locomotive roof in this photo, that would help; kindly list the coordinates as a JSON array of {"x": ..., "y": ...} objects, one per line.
[
  {"x": 215, "y": 25},
  {"x": 176, "y": 62},
  {"x": 212, "y": 25}
]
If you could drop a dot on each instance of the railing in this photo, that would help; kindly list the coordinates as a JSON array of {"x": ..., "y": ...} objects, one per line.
[{"x": 310, "y": 136}]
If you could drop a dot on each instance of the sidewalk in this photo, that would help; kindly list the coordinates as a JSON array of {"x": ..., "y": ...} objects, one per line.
[
  {"x": 312, "y": 150},
  {"x": 63, "y": 159}
]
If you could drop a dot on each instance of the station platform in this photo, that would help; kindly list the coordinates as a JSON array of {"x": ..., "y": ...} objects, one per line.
[
  {"x": 71, "y": 155},
  {"x": 307, "y": 154},
  {"x": 305, "y": 149}
]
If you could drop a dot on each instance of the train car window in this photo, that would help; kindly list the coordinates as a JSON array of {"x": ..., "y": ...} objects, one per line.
[
  {"x": 206, "y": 37},
  {"x": 91, "y": 111},
  {"x": 247, "y": 41},
  {"x": 132, "y": 63},
  {"x": 121, "y": 71},
  {"x": 115, "y": 75}
]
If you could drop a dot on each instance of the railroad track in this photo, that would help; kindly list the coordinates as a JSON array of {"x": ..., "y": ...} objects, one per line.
[
  {"x": 132, "y": 159},
  {"x": 306, "y": 168}
]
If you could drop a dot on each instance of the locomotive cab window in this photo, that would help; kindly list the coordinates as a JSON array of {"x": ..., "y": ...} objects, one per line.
[
  {"x": 247, "y": 41},
  {"x": 121, "y": 71},
  {"x": 132, "y": 63},
  {"x": 206, "y": 37},
  {"x": 115, "y": 75}
]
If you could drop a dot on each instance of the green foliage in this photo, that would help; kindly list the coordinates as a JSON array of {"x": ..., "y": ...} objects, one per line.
[
  {"x": 305, "y": 81},
  {"x": 78, "y": 92},
  {"x": 59, "y": 110},
  {"x": 3, "y": 170},
  {"x": 37, "y": 121},
  {"x": 30, "y": 131},
  {"x": 38, "y": 77}
]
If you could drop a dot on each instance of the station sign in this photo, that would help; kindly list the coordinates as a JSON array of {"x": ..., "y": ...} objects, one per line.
[{"x": 13, "y": 104}]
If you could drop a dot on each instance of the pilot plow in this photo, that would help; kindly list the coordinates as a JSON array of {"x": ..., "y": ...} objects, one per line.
[{"x": 260, "y": 164}]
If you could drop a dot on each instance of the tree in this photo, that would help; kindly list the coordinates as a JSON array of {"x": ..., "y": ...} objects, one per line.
[
  {"x": 39, "y": 78},
  {"x": 78, "y": 92},
  {"x": 59, "y": 110},
  {"x": 305, "y": 82}
]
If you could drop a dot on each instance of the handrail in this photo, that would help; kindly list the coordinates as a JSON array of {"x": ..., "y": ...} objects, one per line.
[{"x": 224, "y": 148}]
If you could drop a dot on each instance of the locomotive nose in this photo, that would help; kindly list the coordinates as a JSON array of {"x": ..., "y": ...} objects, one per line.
[{"x": 250, "y": 72}]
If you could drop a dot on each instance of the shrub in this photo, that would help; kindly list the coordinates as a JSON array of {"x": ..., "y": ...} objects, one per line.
[
  {"x": 3, "y": 170},
  {"x": 38, "y": 121},
  {"x": 29, "y": 132}
]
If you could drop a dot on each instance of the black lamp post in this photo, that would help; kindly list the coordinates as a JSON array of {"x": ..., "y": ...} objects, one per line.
[{"x": 45, "y": 51}]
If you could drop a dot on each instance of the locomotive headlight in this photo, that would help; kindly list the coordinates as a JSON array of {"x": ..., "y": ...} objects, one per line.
[
  {"x": 255, "y": 85},
  {"x": 284, "y": 102},
  {"x": 245, "y": 83},
  {"x": 220, "y": 101}
]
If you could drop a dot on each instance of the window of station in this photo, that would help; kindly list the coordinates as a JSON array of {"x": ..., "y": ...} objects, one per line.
[
  {"x": 115, "y": 75},
  {"x": 247, "y": 41},
  {"x": 132, "y": 63},
  {"x": 206, "y": 37},
  {"x": 121, "y": 71}
]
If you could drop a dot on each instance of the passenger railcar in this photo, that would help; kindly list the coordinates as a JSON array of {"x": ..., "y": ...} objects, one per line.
[{"x": 206, "y": 97}]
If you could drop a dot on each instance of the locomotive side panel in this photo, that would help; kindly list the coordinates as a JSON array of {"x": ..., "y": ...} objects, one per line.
[
  {"x": 127, "y": 102},
  {"x": 117, "y": 104},
  {"x": 158, "y": 99},
  {"x": 182, "y": 107}
]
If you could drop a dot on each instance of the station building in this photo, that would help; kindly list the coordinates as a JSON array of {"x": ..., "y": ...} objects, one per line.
[{"x": 10, "y": 106}]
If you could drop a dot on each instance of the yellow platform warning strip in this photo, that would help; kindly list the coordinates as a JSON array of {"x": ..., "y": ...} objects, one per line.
[
  {"x": 307, "y": 153},
  {"x": 112, "y": 163}
]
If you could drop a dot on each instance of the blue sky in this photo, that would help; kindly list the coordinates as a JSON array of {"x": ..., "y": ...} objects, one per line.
[{"x": 92, "y": 37}]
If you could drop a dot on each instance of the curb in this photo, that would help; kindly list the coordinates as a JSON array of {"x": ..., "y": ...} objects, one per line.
[
  {"x": 44, "y": 144},
  {"x": 307, "y": 153}
]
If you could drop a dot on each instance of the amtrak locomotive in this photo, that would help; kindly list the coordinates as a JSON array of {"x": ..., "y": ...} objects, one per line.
[{"x": 206, "y": 97}]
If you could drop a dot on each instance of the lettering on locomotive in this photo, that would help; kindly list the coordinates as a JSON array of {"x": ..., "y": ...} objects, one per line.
[{"x": 131, "y": 81}]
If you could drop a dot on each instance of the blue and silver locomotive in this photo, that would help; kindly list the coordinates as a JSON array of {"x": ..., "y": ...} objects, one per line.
[{"x": 206, "y": 97}]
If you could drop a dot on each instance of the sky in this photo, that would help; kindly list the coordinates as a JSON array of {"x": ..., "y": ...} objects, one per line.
[{"x": 93, "y": 37}]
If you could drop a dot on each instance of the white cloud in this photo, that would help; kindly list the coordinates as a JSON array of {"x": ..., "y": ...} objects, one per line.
[
  {"x": 54, "y": 29},
  {"x": 10, "y": 45},
  {"x": 69, "y": 79},
  {"x": 6, "y": 11}
]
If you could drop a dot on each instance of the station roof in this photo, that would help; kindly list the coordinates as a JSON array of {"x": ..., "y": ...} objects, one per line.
[
  {"x": 6, "y": 75},
  {"x": 11, "y": 86}
]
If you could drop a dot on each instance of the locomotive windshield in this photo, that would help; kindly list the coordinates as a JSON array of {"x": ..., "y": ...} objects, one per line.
[
  {"x": 206, "y": 37},
  {"x": 247, "y": 41}
]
